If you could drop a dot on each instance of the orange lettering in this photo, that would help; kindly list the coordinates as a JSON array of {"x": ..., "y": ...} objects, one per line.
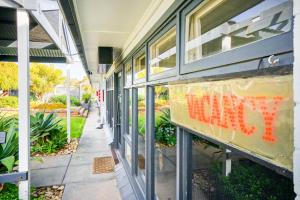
[
  {"x": 269, "y": 115},
  {"x": 216, "y": 115},
  {"x": 247, "y": 130}
]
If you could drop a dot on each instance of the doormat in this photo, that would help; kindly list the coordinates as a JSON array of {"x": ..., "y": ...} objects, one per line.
[{"x": 103, "y": 165}]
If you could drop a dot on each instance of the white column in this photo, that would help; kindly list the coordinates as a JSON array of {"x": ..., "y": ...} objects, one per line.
[
  {"x": 296, "y": 158},
  {"x": 24, "y": 115},
  {"x": 68, "y": 103},
  {"x": 226, "y": 45}
]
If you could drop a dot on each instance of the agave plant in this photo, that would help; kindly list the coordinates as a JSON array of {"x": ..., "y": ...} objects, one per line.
[
  {"x": 6, "y": 122},
  {"x": 9, "y": 150},
  {"x": 42, "y": 126}
]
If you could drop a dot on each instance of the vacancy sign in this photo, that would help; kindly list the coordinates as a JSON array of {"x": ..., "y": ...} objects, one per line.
[{"x": 254, "y": 115}]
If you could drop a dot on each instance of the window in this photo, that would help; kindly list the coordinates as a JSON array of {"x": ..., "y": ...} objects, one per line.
[
  {"x": 128, "y": 153},
  {"x": 220, "y": 25},
  {"x": 244, "y": 178},
  {"x": 128, "y": 74},
  {"x": 141, "y": 132},
  {"x": 129, "y": 111},
  {"x": 163, "y": 53},
  {"x": 140, "y": 67},
  {"x": 165, "y": 147}
]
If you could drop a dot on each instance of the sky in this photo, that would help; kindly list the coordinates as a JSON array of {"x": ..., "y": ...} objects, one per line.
[{"x": 76, "y": 71}]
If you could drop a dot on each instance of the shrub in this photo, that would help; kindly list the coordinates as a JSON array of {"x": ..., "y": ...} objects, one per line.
[
  {"x": 63, "y": 99},
  {"x": 165, "y": 131},
  {"x": 47, "y": 133},
  {"x": 48, "y": 106},
  {"x": 9, "y": 192},
  {"x": 250, "y": 181},
  {"x": 50, "y": 146},
  {"x": 86, "y": 97},
  {"x": 9, "y": 102}
]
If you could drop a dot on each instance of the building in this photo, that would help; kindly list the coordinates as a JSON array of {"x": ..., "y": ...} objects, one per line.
[
  {"x": 189, "y": 83},
  {"x": 222, "y": 68}
]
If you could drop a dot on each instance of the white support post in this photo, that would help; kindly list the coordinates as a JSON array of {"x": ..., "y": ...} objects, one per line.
[
  {"x": 226, "y": 45},
  {"x": 24, "y": 114},
  {"x": 296, "y": 74},
  {"x": 68, "y": 103}
]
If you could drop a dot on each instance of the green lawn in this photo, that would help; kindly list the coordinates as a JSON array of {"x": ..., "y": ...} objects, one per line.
[{"x": 77, "y": 124}]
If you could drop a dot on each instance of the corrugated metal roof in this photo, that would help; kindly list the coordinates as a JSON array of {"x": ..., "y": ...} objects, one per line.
[{"x": 11, "y": 51}]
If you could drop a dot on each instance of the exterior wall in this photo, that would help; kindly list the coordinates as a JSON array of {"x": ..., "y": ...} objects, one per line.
[
  {"x": 133, "y": 43},
  {"x": 297, "y": 98}
]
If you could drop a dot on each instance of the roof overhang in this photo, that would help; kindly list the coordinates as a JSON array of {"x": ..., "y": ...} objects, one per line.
[{"x": 47, "y": 34}]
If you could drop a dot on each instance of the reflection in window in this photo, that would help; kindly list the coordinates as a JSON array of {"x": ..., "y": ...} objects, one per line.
[
  {"x": 221, "y": 25},
  {"x": 247, "y": 179},
  {"x": 165, "y": 147},
  {"x": 129, "y": 112},
  {"x": 140, "y": 67},
  {"x": 163, "y": 53},
  {"x": 141, "y": 131},
  {"x": 128, "y": 75},
  {"x": 128, "y": 153}
]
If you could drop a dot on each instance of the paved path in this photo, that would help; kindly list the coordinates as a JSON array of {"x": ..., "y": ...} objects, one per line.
[{"x": 75, "y": 171}]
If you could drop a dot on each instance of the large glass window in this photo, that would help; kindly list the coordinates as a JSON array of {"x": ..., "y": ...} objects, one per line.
[
  {"x": 128, "y": 74},
  {"x": 165, "y": 147},
  {"x": 140, "y": 66},
  {"x": 220, "y": 25},
  {"x": 129, "y": 127},
  {"x": 163, "y": 53},
  {"x": 141, "y": 131},
  {"x": 247, "y": 180},
  {"x": 128, "y": 153}
]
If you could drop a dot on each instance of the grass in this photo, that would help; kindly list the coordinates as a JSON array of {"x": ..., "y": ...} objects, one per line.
[{"x": 77, "y": 124}]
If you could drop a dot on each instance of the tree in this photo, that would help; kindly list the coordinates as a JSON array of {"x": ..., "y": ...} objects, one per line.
[
  {"x": 43, "y": 79},
  {"x": 8, "y": 76},
  {"x": 86, "y": 86}
]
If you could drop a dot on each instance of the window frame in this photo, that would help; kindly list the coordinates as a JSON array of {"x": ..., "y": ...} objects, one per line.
[
  {"x": 128, "y": 62},
  {"x": 140, "y": 52},
  {"x": 159, "y": 35},
  {"x": 258, "y": 49}
]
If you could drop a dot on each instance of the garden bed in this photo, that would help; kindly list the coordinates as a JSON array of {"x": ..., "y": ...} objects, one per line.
[
  {"x": 67, "y": 149},
  {"x": 11, "y": 192},
  {"x": 75, "y": 111},
  {"x": 49, "y": 193}
]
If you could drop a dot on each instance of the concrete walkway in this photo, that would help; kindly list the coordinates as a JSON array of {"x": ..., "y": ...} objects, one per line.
[{"x": 75, "y": 171}]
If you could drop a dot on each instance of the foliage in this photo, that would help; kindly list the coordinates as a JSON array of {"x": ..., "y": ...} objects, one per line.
[
  {"x": 48, "y": 106},
  {"x": 161, "y": 93},
  {"x": 47, "y": 133},
  {"x": 63, "y": 99},
  {"x": 8, "y": 150},
  {"x": 44, "y": 78},
  {"x": 8, "y": 76},
  {"x": 165, "y": 131},
  {"x": 6, "y": 122},
  {"x": 86, "y": 86},
  {"x": 141, "y": 125},
  {"x": 86, "y": 97},
  {"x": 77, "y": 124},
  {"x": 250, "y": 181},
  {"x": 50, "y": 146},
  {"x": 9, "y": 101},
  {"x": 11, "y": 192},
  {"x": 161, "y": 102},
  {"x": 42, "y": 126}
]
